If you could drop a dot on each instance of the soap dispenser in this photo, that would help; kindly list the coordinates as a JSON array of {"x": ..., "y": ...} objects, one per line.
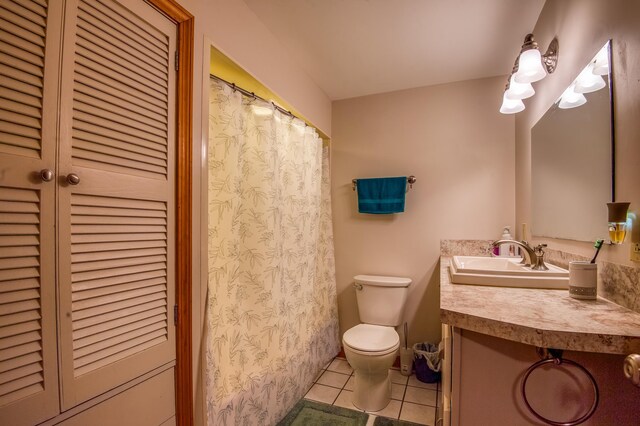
[{"x": 507, "y": 250}]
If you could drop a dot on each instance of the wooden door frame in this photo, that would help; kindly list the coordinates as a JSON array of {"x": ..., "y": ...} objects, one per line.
[{"x": 184, "y": 133}]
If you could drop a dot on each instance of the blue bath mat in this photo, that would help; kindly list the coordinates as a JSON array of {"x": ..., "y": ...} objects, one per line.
[{"x": 310, "y": 413}]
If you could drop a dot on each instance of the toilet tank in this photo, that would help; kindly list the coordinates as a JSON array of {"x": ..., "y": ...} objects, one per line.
[{"x": 381, "y": 300}]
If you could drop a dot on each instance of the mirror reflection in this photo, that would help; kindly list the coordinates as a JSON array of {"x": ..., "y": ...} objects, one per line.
[{"x": 571, "y": 158}]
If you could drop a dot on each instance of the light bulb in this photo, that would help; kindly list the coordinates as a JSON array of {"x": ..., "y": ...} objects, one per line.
[
  {"x": 588, "y": 82},
  {"x": 519, "y": 90},
  {"x": 571, "y": 99},
  {"x": 601, "y": 66},
  {"x": 530, "y": 67},
  {"x": 511, "y": 106}
]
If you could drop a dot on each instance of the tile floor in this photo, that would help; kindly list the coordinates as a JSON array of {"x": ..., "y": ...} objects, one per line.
[{"x": 411, "y": 400}]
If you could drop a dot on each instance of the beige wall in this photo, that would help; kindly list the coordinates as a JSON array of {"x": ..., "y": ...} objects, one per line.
[
  {"x": 232, "y": 28},
  {"x": 582, "y": 27},
  {"x": 460, "y": 148}
]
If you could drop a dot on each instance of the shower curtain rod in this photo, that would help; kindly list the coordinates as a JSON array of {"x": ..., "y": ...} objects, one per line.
[{"x": 249, "y": 94}]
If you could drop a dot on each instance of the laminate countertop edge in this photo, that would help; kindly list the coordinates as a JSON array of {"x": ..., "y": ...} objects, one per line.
[{"x": 544, "y": 318}]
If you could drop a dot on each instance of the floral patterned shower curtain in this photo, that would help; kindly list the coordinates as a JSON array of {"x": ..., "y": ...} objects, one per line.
[{"x": 272, "y": 310}]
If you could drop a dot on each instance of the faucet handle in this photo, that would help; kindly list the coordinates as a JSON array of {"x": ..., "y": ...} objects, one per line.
[
  {"x": 539, "y": 262},
  {"x": 539, "y": 249}
]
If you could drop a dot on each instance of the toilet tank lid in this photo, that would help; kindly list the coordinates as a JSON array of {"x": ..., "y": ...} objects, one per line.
[{"x": 382, "y": 281}]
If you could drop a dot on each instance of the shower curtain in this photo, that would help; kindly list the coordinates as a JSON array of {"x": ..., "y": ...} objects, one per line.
[{"x": 272, "y": 309}]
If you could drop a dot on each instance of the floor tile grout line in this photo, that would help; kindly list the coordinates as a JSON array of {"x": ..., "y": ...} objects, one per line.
[
  {"x": 343, "y": 386},
  {"x": 342, "y": 389},
  {"x": 334, "y": 401},
  {"x": 421, "y": 387},
  {"x": 329, "y": 386},
  {"x": 334, "y": 387},
  {"x": 404, "y": 393}
]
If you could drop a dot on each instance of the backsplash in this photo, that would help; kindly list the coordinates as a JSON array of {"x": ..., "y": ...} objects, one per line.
[
  {"x": 617, "y": 283},
  {"x": 465, "y": 247}
]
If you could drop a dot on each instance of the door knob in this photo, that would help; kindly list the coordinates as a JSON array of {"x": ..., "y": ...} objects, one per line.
[
  {"x": 632, "y": 368},
  {"x": 73, "y": 179},
  {"x": 46, "y": 175}
]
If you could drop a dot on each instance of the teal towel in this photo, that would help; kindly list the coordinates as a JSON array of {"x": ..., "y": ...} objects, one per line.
[{"x": 382, "y": 195}]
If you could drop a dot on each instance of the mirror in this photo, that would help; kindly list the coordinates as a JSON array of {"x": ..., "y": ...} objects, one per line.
[{"x": 571, "y": 158}]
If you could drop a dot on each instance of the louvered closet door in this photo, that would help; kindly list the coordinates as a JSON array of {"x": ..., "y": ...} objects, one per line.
[
  {"x": 29, "y": 51},
  {"x": 117, "y": 225}
]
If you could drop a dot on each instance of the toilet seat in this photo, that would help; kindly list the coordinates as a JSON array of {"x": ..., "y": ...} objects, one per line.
[{"x": 369, "y": 339}]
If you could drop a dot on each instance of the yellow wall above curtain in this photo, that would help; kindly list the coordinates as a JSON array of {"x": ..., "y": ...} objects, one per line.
[{"x": 223, "y": 67}]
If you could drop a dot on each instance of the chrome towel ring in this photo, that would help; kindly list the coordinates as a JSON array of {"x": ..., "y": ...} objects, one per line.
[{"x": 556, "y": 359}]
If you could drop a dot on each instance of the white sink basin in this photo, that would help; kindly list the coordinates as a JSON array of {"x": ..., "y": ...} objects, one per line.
[{"x": 505, "y": 272}]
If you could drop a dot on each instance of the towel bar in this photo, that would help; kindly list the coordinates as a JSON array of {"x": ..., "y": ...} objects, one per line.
[{"x": 410, "y": 180}]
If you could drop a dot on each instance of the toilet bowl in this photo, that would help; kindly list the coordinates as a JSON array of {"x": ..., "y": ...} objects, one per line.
[{"x": 371, "y": 351}]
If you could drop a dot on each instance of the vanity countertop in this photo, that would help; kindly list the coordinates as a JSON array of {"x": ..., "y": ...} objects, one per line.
[{"x": 544, "y": 318}]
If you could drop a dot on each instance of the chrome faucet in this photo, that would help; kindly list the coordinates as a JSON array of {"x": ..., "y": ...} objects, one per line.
[{"x": 533, "y": 256}]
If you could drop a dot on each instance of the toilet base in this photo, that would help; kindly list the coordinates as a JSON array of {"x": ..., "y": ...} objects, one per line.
[{"x": 372, "y": 392}]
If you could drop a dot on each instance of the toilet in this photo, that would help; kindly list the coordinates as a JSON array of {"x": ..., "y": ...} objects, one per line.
[{"x": 372, "y": 347}]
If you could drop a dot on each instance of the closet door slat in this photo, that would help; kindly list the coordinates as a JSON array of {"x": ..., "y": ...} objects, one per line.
[
  {"x": 137, "y": 31},
  {"x": 117, "y": 163},
  {"x": 94, "y": 248},
  {"x": 125, "y": 315},
  {"x": 108, "y": 39},
  {"x": 25, "y": 9},
  {"x": 118, "y": 322},
  {"x": 126, "y": 252},
  {"x": 142, "y": 287},
  {"x": 154, "y": 274},
  {"x": 29, "y": 26},
  {"x": 117, "y": 105}
]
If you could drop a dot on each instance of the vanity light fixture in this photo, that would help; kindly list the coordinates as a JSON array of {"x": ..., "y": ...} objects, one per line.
[{"x": 530, "y": 66}]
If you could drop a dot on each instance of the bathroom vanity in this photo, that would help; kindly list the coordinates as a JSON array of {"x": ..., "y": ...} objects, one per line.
[{"x": 491, "y": 335}]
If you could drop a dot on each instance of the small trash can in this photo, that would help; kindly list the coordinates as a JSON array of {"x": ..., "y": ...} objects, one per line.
[{"x": 427, "y": 362}]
